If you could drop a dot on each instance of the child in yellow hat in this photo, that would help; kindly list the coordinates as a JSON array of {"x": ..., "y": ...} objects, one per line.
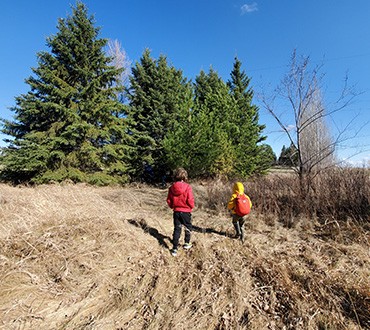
[{"x": 240, "y": 206}]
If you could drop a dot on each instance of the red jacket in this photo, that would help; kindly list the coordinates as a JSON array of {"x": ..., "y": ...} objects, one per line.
[{"x": 180, "y": 197}]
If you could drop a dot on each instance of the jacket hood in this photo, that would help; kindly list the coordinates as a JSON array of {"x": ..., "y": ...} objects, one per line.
[
  {"x": 238, "y": 188},
  {"x": 179, "y": 188}
]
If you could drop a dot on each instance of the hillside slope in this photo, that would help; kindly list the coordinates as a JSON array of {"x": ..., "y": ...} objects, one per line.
[{"x": 79, "y": 257}]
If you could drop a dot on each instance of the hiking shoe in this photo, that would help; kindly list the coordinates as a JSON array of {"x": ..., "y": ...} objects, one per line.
[
  {"x": 174, "y": 252},
  {"x": 187, "y": 246}
]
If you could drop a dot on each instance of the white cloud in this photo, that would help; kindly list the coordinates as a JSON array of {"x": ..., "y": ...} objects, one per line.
[
  {"x": 360, "y": 161},
  {"x": 249, "y": 8},
  {"x": 290, "y": 127}
]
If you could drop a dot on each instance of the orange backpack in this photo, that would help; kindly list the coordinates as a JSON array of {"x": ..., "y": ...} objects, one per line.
[{"x": 242, "y": 205}]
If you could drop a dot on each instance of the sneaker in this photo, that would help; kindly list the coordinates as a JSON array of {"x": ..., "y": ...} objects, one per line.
[
  {"x": 174, "y": 252},
  {"x": 187, "y": 246}
]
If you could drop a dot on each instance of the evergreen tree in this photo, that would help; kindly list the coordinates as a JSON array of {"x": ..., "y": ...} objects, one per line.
[
  {"x": 213, "y": 101},
  {"x": 282, "y": 155},
  {"x": 70, "y": 124},
  {"x": 206, "y": 149},
  {"x": 220, "y": 134},
  {"x": 247, "y": 134},
  {"x": 267, "y": 159},
  {"x": 159, "y": 98},
  {"x": 288, "y": 156},
  {"x": 190, "y": 146}
]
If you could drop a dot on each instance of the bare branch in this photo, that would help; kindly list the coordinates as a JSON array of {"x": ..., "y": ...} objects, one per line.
[
  {"x": 301, "y": 89},
  {"x": 119, "y": 60}
]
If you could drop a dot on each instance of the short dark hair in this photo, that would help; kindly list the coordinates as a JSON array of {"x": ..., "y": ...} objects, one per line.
[{"x": 180, "y": 174}]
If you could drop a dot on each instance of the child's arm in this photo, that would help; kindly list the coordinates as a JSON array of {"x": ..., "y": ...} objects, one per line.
[
  {"x": 231, "y": 203},
  {"x": 190, "y": 198},
  {"x": 169, "y": 200}
]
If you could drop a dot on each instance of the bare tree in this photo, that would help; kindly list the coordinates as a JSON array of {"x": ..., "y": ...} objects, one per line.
[
  {"x": 300, "y": 93},
  {"x": 119, "y": 60},
  {"x": 316, "y": 144}
]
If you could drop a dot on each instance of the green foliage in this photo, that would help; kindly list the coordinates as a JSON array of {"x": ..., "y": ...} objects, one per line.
[
  {"x": 214, "y": 116},
  {"x": 60, "y": 175},
  {"x": 247, "y": 135},
  {"x": 74, "y": 175},
  {"x": 221, "y": 135},
  {"x": 200, "y": 142},
  {"x": 103, "y": 179},
  {"x": 72, "y": 124},
  {"x": 159, "y": 98},
  {"x": 288, "y": 156},
  {"x": 71, "y": 119},
  {"x": 267, "y": 158},
  {"x": 23, "y": 163}
]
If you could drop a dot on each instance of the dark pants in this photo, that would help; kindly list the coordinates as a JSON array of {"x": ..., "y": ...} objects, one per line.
[
  {"x": 179, "y": 219},
  {"x": 238, "y": 223}
]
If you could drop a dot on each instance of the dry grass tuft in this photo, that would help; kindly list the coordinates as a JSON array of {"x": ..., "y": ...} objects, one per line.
[{"x": 79, "y": 257}]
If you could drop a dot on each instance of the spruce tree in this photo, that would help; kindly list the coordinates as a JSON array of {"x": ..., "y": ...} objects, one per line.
[
  {"x": 247, "y": 134},
  {"x": 159, "y": 98},
  {"x": 267, "y": 158},
  {"x": 221, "y": 135},
  {"x": 70, "y": 125},
  {"x": 288, "y": 156},
  {"x": 205, "y": 145},
  {"x": 215, "y": 106}
]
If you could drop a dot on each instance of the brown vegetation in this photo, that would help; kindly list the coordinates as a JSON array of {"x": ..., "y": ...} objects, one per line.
[{"x": 79, "y": 257}]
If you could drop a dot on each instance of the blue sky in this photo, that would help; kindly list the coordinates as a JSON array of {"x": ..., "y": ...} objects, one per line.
[{"x": 198, "y": 34}]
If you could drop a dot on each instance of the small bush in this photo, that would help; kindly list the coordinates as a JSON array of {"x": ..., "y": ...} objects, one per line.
[
  {"x": 102, "y": 179},
  {"x": 60, "y": 175}
]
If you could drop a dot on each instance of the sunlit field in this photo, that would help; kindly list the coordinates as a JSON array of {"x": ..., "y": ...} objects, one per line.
[{"x": 80, "y": 257}]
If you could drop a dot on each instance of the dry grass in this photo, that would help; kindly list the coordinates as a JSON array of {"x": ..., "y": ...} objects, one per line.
[
  {"x": 79, "y": 257},
  {"x": 337, "y": 194}
]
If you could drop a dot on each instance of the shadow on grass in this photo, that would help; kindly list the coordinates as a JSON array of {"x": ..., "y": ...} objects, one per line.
[
  {"x": 210, "y": 231},
  {"x": 141, "y": 223}
]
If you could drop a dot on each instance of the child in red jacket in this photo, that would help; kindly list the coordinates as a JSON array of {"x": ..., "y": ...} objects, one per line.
[{"x": 180, "y": 198}]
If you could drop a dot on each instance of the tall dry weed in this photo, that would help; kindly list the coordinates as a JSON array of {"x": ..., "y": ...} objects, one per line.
[{"x": 338, "y": 194}]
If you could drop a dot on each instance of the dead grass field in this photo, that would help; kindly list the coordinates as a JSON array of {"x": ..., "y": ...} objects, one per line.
[{"x": 80, "y": 257}]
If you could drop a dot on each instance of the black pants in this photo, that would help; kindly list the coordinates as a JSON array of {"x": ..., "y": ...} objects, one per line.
[
  {"x": 179, "y": 219},
  {"x": 238, "y": 223}
]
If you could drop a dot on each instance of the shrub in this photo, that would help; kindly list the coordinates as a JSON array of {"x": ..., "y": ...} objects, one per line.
[
  {"x": 101, "y": 179},
  {"x": 60, "y": 175}
]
